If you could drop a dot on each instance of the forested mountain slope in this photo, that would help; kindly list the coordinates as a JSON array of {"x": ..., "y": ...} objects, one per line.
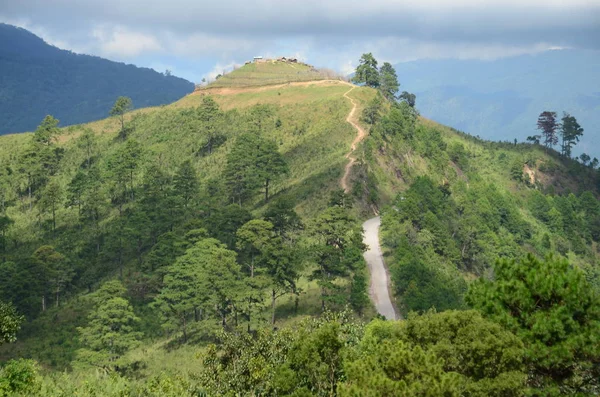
[
  {"x": 37, "y": 79},
  {"x": 206, "y": 248}
]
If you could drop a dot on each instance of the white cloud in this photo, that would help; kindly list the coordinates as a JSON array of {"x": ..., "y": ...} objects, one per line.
[
  {"x": 221, "y": 69},
  {"x": 327, "y": 33},
  {"x": 121, "y": 42}
]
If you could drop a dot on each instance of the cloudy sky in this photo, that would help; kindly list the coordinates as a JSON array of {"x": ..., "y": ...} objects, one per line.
[{"x": 199, "y": 38}]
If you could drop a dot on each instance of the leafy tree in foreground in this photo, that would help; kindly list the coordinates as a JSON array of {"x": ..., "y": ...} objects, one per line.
[
  {"x": 337, "y": 253},
  {"x": 366, "y": 71},
  {"x": 550, "y": 306},
  {"x": 388, "y": 81},
  {"x": 10, "y": 323},
  {"x": 19, "y": 378},
  {"x": 548, "y": 125},
  {"x": 571, "y": 131},
  {"x": 395, "y": 369},
  {"x": 437, "y": 354},
  {"x": 110, "y": 332}
]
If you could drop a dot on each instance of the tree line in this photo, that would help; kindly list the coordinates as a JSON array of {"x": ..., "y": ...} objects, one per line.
[{"x": 567, "y": 133}]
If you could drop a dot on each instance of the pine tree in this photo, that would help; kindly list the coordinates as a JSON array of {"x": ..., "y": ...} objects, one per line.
[
  {"x": 367, "y": 72},
  {"x": 120, "y": 108},
  {"x": 111, "y": 329},
  {"x": 388, "y": 81},
  {"x": 186, "y": 183},
  {"x": 550, "y": 306},
  {"x": 547, "y": 124},
  {"x": 570, "y": 131},
  {"x": 51, "y": 199},
  {"x": 46, "y": 131},
  {"x": 270, "y": 164}
]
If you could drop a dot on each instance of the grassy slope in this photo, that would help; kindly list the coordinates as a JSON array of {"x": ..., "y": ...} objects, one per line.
[
  {"x": 314, "y": 137},
  {"x": 268, "y": 73}
]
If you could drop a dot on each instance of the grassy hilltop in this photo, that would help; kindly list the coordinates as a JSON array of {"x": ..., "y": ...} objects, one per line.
[{"x": 222, "y": 213}]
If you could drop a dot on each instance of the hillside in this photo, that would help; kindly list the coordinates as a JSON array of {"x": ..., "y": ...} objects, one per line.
[
  {"x": 269, "y": 72},
  {"x": 501, "y": 99},
  {"x": 37, "y": 79},
  {"x": 213, "y": 238}
]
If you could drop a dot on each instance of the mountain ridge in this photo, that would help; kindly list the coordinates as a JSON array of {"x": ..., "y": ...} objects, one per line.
[{"x": 37, "y": 79}]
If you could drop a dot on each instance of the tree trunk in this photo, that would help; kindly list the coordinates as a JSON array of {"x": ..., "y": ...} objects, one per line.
[
  {"x": 43, "y": 303},
  {"x": 267, "y": 190},
  {"x": 296, "y": 302},
  {"x": 57, "y": 298},
  {"x": 273, "y": 298},
  {"x": 184, "y": 330}
]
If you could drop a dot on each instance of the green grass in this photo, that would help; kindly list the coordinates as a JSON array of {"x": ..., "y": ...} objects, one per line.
[
  {"x": 268, "y": 73},
  {"x": 312, "y": 135}
]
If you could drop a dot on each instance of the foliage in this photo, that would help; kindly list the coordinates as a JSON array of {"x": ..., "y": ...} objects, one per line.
[
  {"x": 10, "y": 323},
  {"x": 110, "y": 332},
  {"x": 337, "y": 252},
  {"x": 548, "y": 125},
  {"x": 367, "y": 72},
  {"x": 19, "y": 376},
  {"x": 388, "y": 81},
  {"x": 552, "y": 309},
  {"x": 570, "y": 131},
  {"x": 253, "y": 162}
]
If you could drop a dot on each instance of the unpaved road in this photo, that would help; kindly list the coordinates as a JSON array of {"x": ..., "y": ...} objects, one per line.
[
  {"x": 379, "y": 289},
  {"x": 359, "y": 137}
]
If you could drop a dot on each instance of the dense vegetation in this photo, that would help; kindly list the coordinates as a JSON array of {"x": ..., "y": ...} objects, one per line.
[
  {"x": 458, "y": 203},
  {"x": 204, "y": 248},
  {"x": 37, "y": 79}
]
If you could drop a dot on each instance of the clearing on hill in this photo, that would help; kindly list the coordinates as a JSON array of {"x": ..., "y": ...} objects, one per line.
[{"x": 268, "y": 73}]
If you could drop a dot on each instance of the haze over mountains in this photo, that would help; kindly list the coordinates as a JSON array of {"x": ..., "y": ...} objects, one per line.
[
  {"x": 37, "y": 79},
  {"x": 501, "y": 99}
]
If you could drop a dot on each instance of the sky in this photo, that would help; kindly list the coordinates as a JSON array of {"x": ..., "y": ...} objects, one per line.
[{"x": 198, "y": 39}]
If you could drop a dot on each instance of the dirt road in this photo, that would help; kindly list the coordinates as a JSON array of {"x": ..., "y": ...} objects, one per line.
[
  {"x": 379, "y": 289},
  {"x": 352, "y": 119}
]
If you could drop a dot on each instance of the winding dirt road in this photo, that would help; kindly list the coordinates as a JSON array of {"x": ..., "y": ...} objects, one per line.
[
  {"x": 379, "y": 290},
  {"x": 359, "y": 137}
]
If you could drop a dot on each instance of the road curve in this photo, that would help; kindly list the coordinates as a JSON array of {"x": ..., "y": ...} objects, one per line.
[
  {"x": 361, "y": 134},
  {"x": 379, "y": 288}
]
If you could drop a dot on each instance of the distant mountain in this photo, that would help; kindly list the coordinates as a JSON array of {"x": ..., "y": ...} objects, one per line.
[
  {"x": 502, "y": 99},
  {"x": 37, "y": 79}
]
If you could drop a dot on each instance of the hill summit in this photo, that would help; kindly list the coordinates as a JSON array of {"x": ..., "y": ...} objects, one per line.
[{"x": 264, "y": 72}]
